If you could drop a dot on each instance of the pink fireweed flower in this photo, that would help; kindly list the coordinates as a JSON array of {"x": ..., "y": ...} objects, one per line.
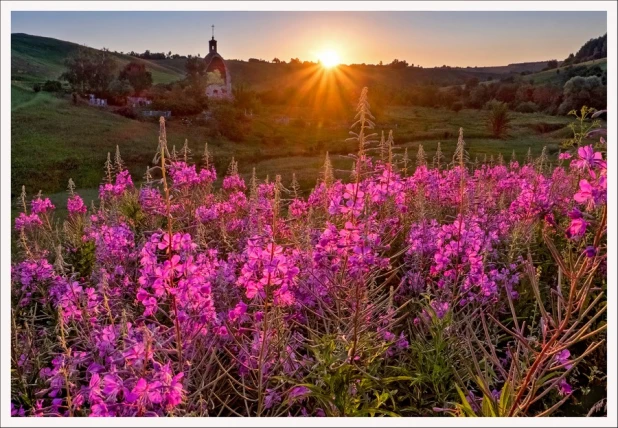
[
  {"x": 113, "y": 386},
  {"x": 564, "y": 156},
  {"x": 564, "y": 388},
  {"x": 27, "y": 222},
  {"x": 577, "y": 228},
  {"x": 562, "y": 359},
  {"x": 41, "y": 206},
  {"x": 299, "y": 392},
  {"x": 587, "y": 194},
  {"x": 588, "y": 158},
  {"x": 233, "y": 183},
  {"x": 75, "y": 205},
  {"x": 145, "y": 393}
]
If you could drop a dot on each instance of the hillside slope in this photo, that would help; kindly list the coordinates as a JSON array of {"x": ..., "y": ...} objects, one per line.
[
  {"x": 556, "y": 76},
  {"x": 36, "y": 59}
]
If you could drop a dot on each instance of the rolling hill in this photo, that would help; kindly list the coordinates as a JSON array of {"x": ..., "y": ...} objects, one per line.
[
  {"x": 553, "y": 77},
  {"x": 36, "y": 59}
]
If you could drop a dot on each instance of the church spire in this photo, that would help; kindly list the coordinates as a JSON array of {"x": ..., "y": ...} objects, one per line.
[{"x": 212, "y": 44}]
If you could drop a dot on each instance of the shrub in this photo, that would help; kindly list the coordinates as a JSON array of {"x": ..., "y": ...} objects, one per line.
[
  {"x": 457, "y": 106},
  {"x": 229, "y": 122},
  {"x": 499, "y": 119},
  {"x": 52, "y": 86},
  {"x": 527, "y": 107},
  {"x": 580, "y": 91},
  {"x": 127, "y": 111}
]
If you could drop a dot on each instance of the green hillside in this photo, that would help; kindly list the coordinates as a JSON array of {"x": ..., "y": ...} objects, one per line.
[
  {"x": 553, "y": 77},
  {"x": 36, "y": 59}
]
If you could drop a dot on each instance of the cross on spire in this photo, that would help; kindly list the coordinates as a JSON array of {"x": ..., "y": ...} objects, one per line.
[{"x": 213, "y": 31}]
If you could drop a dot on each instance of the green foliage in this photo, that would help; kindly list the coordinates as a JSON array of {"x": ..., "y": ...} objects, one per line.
[
  {"x": 83, "y": 258},
  {"x": 582, "y": 126},
  {"x": 229, "y": 122},
  {"x": 52, "y": 86},
  {"x": 499, "y": 119},
  {"x": 490, "y": 406},
  {"x": 360, "y": 388},
  {"x": 89, "y": 71},
  {"x": 592, "y": 49},
  {"x": 118, "y": 91},
  {"x": 583, "y": 91},
  {"x": 435, "y": 352},
  {"x": 527, "y": 107},
  {"x": 137, "y": 76}
]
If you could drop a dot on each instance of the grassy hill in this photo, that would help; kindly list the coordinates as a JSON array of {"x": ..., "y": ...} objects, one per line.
[
  {"x": 36, "y": 59},
  {"x": 553, "y": 77}
]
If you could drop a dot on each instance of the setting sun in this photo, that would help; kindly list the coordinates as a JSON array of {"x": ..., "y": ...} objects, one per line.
[{"x": 329, "y": 59}]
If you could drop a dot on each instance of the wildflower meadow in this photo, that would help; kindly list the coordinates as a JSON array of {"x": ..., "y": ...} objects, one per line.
[{"x": 413, "y": 287}]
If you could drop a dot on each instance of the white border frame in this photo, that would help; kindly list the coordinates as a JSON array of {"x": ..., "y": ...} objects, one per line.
[{"x": 5, "y": 165}]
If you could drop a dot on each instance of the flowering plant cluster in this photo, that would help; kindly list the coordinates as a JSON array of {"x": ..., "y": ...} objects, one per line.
[{"x": 368, "y": 297}]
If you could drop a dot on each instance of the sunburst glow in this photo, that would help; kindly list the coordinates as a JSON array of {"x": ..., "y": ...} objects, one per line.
[{"x": 329, "y": 59}]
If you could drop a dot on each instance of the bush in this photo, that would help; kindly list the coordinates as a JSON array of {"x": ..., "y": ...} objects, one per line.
[
  {"x": 229, "y": 122},
  {"x": 36, "y": 87},
  {"x": 127, "y": 112},
  {"x": 52, "y": 86},
  {"x": 583, "y": 91},
  {"x": 527, "y": 107},
  {"x": 457, "y": 106},
  {"x": 499, "y": 119}
]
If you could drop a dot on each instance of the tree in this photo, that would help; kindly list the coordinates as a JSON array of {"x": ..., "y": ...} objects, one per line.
[
  {"x": 583, "y": 91},
  {"x": 119, "y": 90},
  {"x": 89, "y": 70},
  {"x": 472, "y": 82},
  {"x": 137, "y": 76},
  {"x": 194, "y": 68},
  {"x": 551, "y": 64},
  {"x": 499, "y": 119},
  {"x": 478, "y": 96},
  {"x": 398, "y": 64},
  {"x": 276, "y": 60}
]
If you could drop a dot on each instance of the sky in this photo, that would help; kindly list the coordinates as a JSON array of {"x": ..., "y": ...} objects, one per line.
[{"x": 423, "y": 38}]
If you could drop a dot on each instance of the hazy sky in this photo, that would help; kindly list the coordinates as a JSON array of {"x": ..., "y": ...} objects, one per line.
[{"x": 425, "y": 38}]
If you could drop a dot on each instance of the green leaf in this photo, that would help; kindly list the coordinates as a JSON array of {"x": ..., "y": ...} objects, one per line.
[{"x": 465, "y": 405}]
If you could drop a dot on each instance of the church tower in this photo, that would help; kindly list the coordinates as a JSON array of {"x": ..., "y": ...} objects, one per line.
[{"x": 216, "y": 63}]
